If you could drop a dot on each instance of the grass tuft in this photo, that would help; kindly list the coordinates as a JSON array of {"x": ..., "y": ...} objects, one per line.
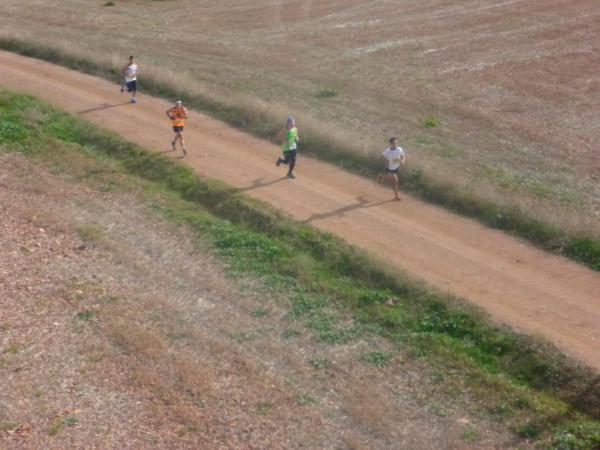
[
  {"x": 431, "y": 122},
  {"x": 319, "y": 363},
  {"x": 378, "y": 359},
  {"x": 327, "y": 93},
  {"x": 86, "y": 315}
]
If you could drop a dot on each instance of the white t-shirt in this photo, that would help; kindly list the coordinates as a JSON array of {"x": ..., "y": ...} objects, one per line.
[
  {"x": 393, "y": 157},
  {"x": 131, "y": 72}
]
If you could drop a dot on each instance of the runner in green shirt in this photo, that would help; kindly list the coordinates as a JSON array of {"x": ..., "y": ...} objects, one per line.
[{"x": 290, "y": 146}]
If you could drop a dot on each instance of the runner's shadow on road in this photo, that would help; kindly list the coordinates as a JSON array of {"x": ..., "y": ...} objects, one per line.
[
  {"x": 101, "y": 107},
  {"x": 258, "y": 183},
  {"x": 362, "y": 203}
]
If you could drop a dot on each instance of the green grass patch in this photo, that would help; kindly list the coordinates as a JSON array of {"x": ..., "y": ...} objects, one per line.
[
  {"x": 60, "y": 422},
  {"x": 305, "y": 399},
  {"x": 583, "y": 249},
  {"x": 263, "y": 408},
  {"x": 431, "y": 122},
  {"x": 334, "y": 290},
  {"x": 290, "y": 334},
  {"x": 319, "y": 363},
  {"x": 259, "y": 312},
  {"x": 327, "y": 93},
  {"x": 378, "y": 359},
  {"x": 86, "y": 315},
  {"x": 582, "y": 435}
]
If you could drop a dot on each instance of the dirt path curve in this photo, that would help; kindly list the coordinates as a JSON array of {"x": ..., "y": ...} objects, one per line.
[{"x": 530, "y": 290}]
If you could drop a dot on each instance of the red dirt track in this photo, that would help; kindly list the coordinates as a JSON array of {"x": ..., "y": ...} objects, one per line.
[{"x": 532, "y": 291}]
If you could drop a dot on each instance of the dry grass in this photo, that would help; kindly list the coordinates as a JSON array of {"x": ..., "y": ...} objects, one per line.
[
  {"x": 193, "y": 376},
  {"x": 42, "y": 219},
  {"x": 500, "y": 104},
  {"x": 137, "y": 340},
  {"x": 370, "y": 410}
]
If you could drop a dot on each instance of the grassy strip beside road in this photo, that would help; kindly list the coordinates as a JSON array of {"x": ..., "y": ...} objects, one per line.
[
  {"x": 535, "y": 390},
  {"x": 265, "y": 124}
]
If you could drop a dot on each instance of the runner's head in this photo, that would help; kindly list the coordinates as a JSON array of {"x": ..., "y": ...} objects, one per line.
[
  {"x": 178, "y": 103},
  {"x": 393, "y": 142},
  {"x": 131, "y": 60},
  {"x": 290, "y": 122}
]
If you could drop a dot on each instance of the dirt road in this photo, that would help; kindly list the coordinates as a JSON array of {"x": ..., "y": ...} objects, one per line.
[{"x": 532, "y": 291}]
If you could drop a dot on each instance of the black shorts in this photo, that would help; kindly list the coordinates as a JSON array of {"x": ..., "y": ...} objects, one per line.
[
  {"x": 289, "y": 156},
  {"x": 178, "y": 129},
  {"x": 393, "y": 170},
  {"x": 131, "y": 86}
]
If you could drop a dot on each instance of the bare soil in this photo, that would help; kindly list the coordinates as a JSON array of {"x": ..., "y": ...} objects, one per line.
[
  {"x": 118, "y": 331},
  {"x": 528, "y": 289}
]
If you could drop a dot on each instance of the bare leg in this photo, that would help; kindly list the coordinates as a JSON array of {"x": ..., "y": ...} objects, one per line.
[
  {"x": 180, "y": 136},
  {"x": 394, "y": 181}
]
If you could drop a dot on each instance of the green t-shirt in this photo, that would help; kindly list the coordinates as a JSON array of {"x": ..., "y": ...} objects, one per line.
[{"x": 290, "y": 139}]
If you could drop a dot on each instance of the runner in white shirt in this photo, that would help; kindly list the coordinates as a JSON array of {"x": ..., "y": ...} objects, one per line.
[
  {"x": 395, "y": 159},
  {"x": 130, "y": 72}
]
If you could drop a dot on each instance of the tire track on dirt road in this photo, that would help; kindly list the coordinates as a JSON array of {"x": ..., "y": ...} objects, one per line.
[{"x": 532, "y": 291}]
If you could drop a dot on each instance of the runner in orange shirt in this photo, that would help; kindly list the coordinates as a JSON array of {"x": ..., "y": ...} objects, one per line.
[{"x": 178, "y": 114}]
